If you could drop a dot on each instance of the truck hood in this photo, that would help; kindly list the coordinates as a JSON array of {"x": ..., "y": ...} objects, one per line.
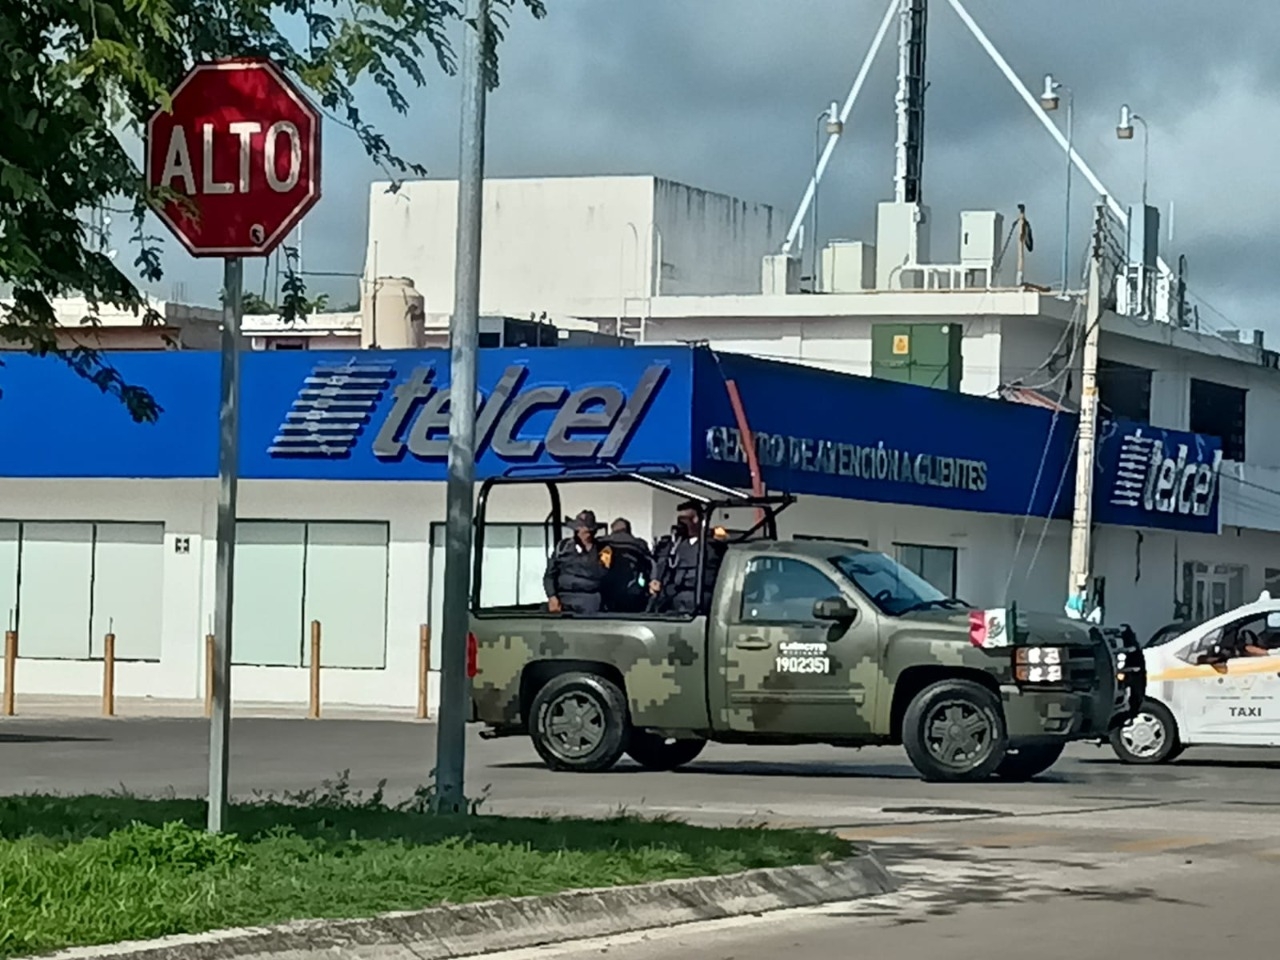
[{"x": 1038, "y": 628}]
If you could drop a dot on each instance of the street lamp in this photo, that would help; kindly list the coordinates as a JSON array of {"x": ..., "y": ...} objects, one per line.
[
  {"x": 1049, "y": 100},
  {"x": 1124, "y": 131},
  {"x": 830, "y": 121}
]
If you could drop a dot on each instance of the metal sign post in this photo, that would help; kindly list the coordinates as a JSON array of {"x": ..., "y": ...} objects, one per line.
[
  {"x": 228, "y": 455},
  {"x": 460, "y": 493},
  {"x": 241, "y": 144}
]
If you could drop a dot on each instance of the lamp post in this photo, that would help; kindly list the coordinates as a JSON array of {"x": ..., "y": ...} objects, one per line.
[
  {"x": 1124, "y": 131},
  {"x": 830, "y": 122},
  {"x": 1049, "y": 100}
]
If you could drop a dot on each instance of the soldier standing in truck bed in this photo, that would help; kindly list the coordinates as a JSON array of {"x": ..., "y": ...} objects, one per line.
[
  {"x": 576, "y": 569},
  {"x": 626, "y": 584},
  {"x": 674, "y": 587}
]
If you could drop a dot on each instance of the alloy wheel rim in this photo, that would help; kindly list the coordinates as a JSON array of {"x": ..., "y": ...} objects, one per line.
[
  {"x": 1144, "y": 735},
  {"x": 575, "y": 725},
  {"x": 958, "y": 734}
]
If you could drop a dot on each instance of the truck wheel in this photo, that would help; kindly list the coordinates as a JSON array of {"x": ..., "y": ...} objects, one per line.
[
  {"x": 1024, "y": 763},
  {"x": 954, "y": 731},
  {"x": 1150, "y": 737},
  {"x": 579, "y": 723},
  {"x": 656, "y": 752}
]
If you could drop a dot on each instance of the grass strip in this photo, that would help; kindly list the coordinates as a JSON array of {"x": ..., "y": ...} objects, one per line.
[{"x": 81, "y": 871}]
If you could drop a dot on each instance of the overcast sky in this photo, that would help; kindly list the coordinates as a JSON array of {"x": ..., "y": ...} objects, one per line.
[{"x": 724, "y": 95}]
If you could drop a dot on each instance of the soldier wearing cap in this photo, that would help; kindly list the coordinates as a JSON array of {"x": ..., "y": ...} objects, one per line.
[{"x": 577, "y": 568}]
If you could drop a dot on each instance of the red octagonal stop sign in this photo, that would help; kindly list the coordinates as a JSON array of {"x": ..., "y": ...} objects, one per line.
[{"x": 243, "y": 144}]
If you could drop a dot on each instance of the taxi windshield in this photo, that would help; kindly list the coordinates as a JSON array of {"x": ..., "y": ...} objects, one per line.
[{"x": 891, "y": 586}]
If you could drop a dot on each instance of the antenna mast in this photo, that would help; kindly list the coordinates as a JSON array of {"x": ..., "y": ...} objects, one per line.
[{"x": 913, "y": 18}]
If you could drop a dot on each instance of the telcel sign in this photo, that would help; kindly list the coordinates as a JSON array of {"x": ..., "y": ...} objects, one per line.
[
  {"x": 515, "y": 422},
  {"x": 1156, "y": 472}
]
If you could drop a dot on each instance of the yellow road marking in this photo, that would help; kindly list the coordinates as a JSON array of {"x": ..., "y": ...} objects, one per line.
[{"x": 1161, "y": 844}]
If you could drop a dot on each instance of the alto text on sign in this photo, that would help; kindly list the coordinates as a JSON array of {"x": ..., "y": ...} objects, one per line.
[{"x": 236, "y": 163}]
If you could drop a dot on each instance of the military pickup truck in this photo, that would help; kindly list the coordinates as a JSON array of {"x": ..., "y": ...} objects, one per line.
[{"x": 800, "y": 642}]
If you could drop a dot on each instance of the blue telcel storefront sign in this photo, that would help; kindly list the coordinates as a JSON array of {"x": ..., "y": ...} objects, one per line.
[{"x": 383, "y": 415}]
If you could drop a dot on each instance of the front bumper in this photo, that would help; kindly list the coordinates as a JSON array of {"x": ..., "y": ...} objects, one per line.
[
  {"x": 1041, "y": 716},
  {"x": 1107, "y": 684}
]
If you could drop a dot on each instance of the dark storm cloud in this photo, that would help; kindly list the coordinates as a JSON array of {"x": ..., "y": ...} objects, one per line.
[{"x": 725, "y": 94}]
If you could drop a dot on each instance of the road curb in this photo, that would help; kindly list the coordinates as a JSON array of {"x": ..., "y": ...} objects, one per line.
[{"x": 465, "y": 930}]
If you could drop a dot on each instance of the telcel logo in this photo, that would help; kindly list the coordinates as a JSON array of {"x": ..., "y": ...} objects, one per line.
[
  {"x": 1160, "y": 483},
  {"x": 337, "y": 403},
  {"x": 593, "y": 422}
]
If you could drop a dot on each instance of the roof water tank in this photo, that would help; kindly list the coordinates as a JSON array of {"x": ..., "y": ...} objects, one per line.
[{"x": 393, "y": 317}]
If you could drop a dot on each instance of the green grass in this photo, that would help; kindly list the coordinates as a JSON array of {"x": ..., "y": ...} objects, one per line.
[{"x": 77, "y": 871}]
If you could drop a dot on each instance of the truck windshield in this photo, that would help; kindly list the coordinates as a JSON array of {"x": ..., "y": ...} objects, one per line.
[{"x": 891, "y": 586}]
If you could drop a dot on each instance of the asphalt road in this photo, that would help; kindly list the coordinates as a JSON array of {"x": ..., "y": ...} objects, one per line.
[{"x": 1190, "y": 850}]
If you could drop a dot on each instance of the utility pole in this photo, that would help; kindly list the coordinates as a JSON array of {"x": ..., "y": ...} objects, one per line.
[
  {"x": 1082, "y": 516},
  {"x": 460, "y": 493}
]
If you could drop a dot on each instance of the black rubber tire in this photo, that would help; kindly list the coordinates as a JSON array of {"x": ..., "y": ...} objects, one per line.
[
  {"x": 967, "y": 695},
  {"x": 1026, "y": 763},
  {"x": 1168, "y": 750},
  {"x": 656, "y": 752},
  {"x": 600, "y": 696}
]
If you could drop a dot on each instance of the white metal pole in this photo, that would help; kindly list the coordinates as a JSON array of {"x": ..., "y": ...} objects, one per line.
[
  {"x": 798, "y": 222},
  {"x": 224, "y": 576},
  {"x": 460, "y": 492},
  {"x": 1082, "y": 514}
]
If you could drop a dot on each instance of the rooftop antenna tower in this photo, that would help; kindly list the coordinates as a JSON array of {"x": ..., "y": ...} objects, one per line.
[{"x": 913, "y": 18}]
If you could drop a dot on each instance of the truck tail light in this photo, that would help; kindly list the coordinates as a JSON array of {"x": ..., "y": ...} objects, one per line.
[{"x": 473, "y": 655}]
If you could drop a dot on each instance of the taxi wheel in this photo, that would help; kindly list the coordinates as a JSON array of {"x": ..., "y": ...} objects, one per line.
[
  {"x": 656, "y": 752},
  {"x": 1024, "y": 763},
  {"x": 1150, "y": 737},
  {"x": 954, "y": 731},
  {"x": 579, "y": 723}
]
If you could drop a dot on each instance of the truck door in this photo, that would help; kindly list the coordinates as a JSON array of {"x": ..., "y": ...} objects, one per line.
[
  {"x": 786, "y": 672},
  {"x": 1236, "y": 699}
]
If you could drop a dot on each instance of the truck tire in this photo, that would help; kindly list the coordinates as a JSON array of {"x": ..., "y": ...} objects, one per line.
[
  {"x": 579, "y": 723},
  {"x": 954, "y": 732},
  {"x": 1025, "y": 763},
  {"x": 1151, "y": 737},
  {"x": 656, "y": 752}
]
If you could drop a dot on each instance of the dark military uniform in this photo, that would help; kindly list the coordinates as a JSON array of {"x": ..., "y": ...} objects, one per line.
[
  {"x": 626, "y": 583},
  {"x": 575, "y": 574},
  {"x": 675, "y": 567}
]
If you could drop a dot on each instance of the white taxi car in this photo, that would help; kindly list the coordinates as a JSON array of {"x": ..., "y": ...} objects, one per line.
[{"x": 1217, "y": 683}]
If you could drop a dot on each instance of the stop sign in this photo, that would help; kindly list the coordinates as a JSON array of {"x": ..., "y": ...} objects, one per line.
[{"x": 242, "y": 144}]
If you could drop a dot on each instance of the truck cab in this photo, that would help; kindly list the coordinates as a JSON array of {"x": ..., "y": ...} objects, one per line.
[{"x": 802, "y": 642}]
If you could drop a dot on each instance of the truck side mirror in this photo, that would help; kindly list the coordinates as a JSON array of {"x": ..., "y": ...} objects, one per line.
[{"x": 836, "y": 609}]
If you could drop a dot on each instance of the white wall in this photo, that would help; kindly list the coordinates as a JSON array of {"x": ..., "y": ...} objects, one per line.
[
  {"x": 841, "y": 344},
  {"x": 570, "y": 245},
  {"x": 544, "y": 239},
  {"x": 186, "y": 601},
  {"x": 709, "y": 242}
]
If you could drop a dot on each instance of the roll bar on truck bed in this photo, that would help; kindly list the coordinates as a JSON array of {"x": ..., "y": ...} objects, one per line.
[{"x": 666, "y": 478}]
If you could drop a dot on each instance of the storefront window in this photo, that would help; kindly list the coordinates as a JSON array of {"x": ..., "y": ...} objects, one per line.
[
  {"x": 935, "y": 564},
  {"x": 1209, "y": 589}
]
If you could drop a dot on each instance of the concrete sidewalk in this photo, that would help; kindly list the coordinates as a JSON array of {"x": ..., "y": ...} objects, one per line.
[{"x": 36, "y": 707}]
